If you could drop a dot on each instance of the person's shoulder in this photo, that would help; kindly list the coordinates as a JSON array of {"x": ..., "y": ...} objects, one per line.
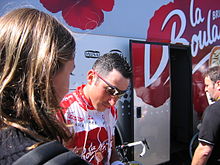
[
  {"x": 213, "y": 109},
  {"x": 68, "y": 100},
  {"x": 51, "y": 153},
  {"x": 215, "y": 106},
  {"x": 19, "y": 142}
]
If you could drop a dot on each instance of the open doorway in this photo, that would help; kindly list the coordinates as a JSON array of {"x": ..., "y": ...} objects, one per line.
[{"x": 181, "y": 125}]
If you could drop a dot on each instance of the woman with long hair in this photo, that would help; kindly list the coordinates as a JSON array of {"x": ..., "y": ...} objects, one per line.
[{"x": 36, "y": 59}]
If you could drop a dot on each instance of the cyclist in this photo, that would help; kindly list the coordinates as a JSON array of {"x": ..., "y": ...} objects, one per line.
[{"x": 91, "y": 112}]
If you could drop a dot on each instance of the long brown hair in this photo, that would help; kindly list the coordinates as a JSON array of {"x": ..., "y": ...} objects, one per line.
[{"x": 33, "y": 47}]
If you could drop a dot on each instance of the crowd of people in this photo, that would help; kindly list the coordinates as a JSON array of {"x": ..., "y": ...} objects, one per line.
[{"x": 37, "y": 115}]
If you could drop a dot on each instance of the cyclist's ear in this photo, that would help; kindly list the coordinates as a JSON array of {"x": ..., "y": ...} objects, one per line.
[
  {"x": 218, "y": 84},
  {"x": 90, "y": 77}
]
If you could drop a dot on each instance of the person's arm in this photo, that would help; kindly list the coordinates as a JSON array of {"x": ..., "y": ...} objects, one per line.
[
  {"x": 114, "y": 154},
  {"x": 202, "y": 154}
]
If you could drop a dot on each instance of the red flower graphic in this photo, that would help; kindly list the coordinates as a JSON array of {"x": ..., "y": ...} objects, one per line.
[{"x": 83, "y": 14}]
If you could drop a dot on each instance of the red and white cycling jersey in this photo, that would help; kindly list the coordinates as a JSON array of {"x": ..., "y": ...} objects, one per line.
[{"x": 93, "y": 129}]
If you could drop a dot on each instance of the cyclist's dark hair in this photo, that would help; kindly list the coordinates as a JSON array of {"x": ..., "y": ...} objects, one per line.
[
  {"x": 213, "y": 73},
  {"x": 110, "y": 61}
]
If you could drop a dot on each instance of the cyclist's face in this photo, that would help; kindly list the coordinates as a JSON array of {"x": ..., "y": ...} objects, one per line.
[{"x": 101, "y": 91}]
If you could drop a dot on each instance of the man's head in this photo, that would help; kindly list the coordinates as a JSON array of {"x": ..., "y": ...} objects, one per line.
[
  {"x": 107, "y": 80},
  {"x": 212, "y": 82}
]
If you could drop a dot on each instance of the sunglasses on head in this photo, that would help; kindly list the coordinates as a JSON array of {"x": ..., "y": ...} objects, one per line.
[{"x": 110, "y": 89}]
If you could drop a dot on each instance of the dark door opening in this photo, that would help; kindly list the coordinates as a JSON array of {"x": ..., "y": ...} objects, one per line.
[{"x": 181, "y": 128}]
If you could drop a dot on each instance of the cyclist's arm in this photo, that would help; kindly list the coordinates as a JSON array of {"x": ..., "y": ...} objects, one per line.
[{"x": 202, "y": 154}]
